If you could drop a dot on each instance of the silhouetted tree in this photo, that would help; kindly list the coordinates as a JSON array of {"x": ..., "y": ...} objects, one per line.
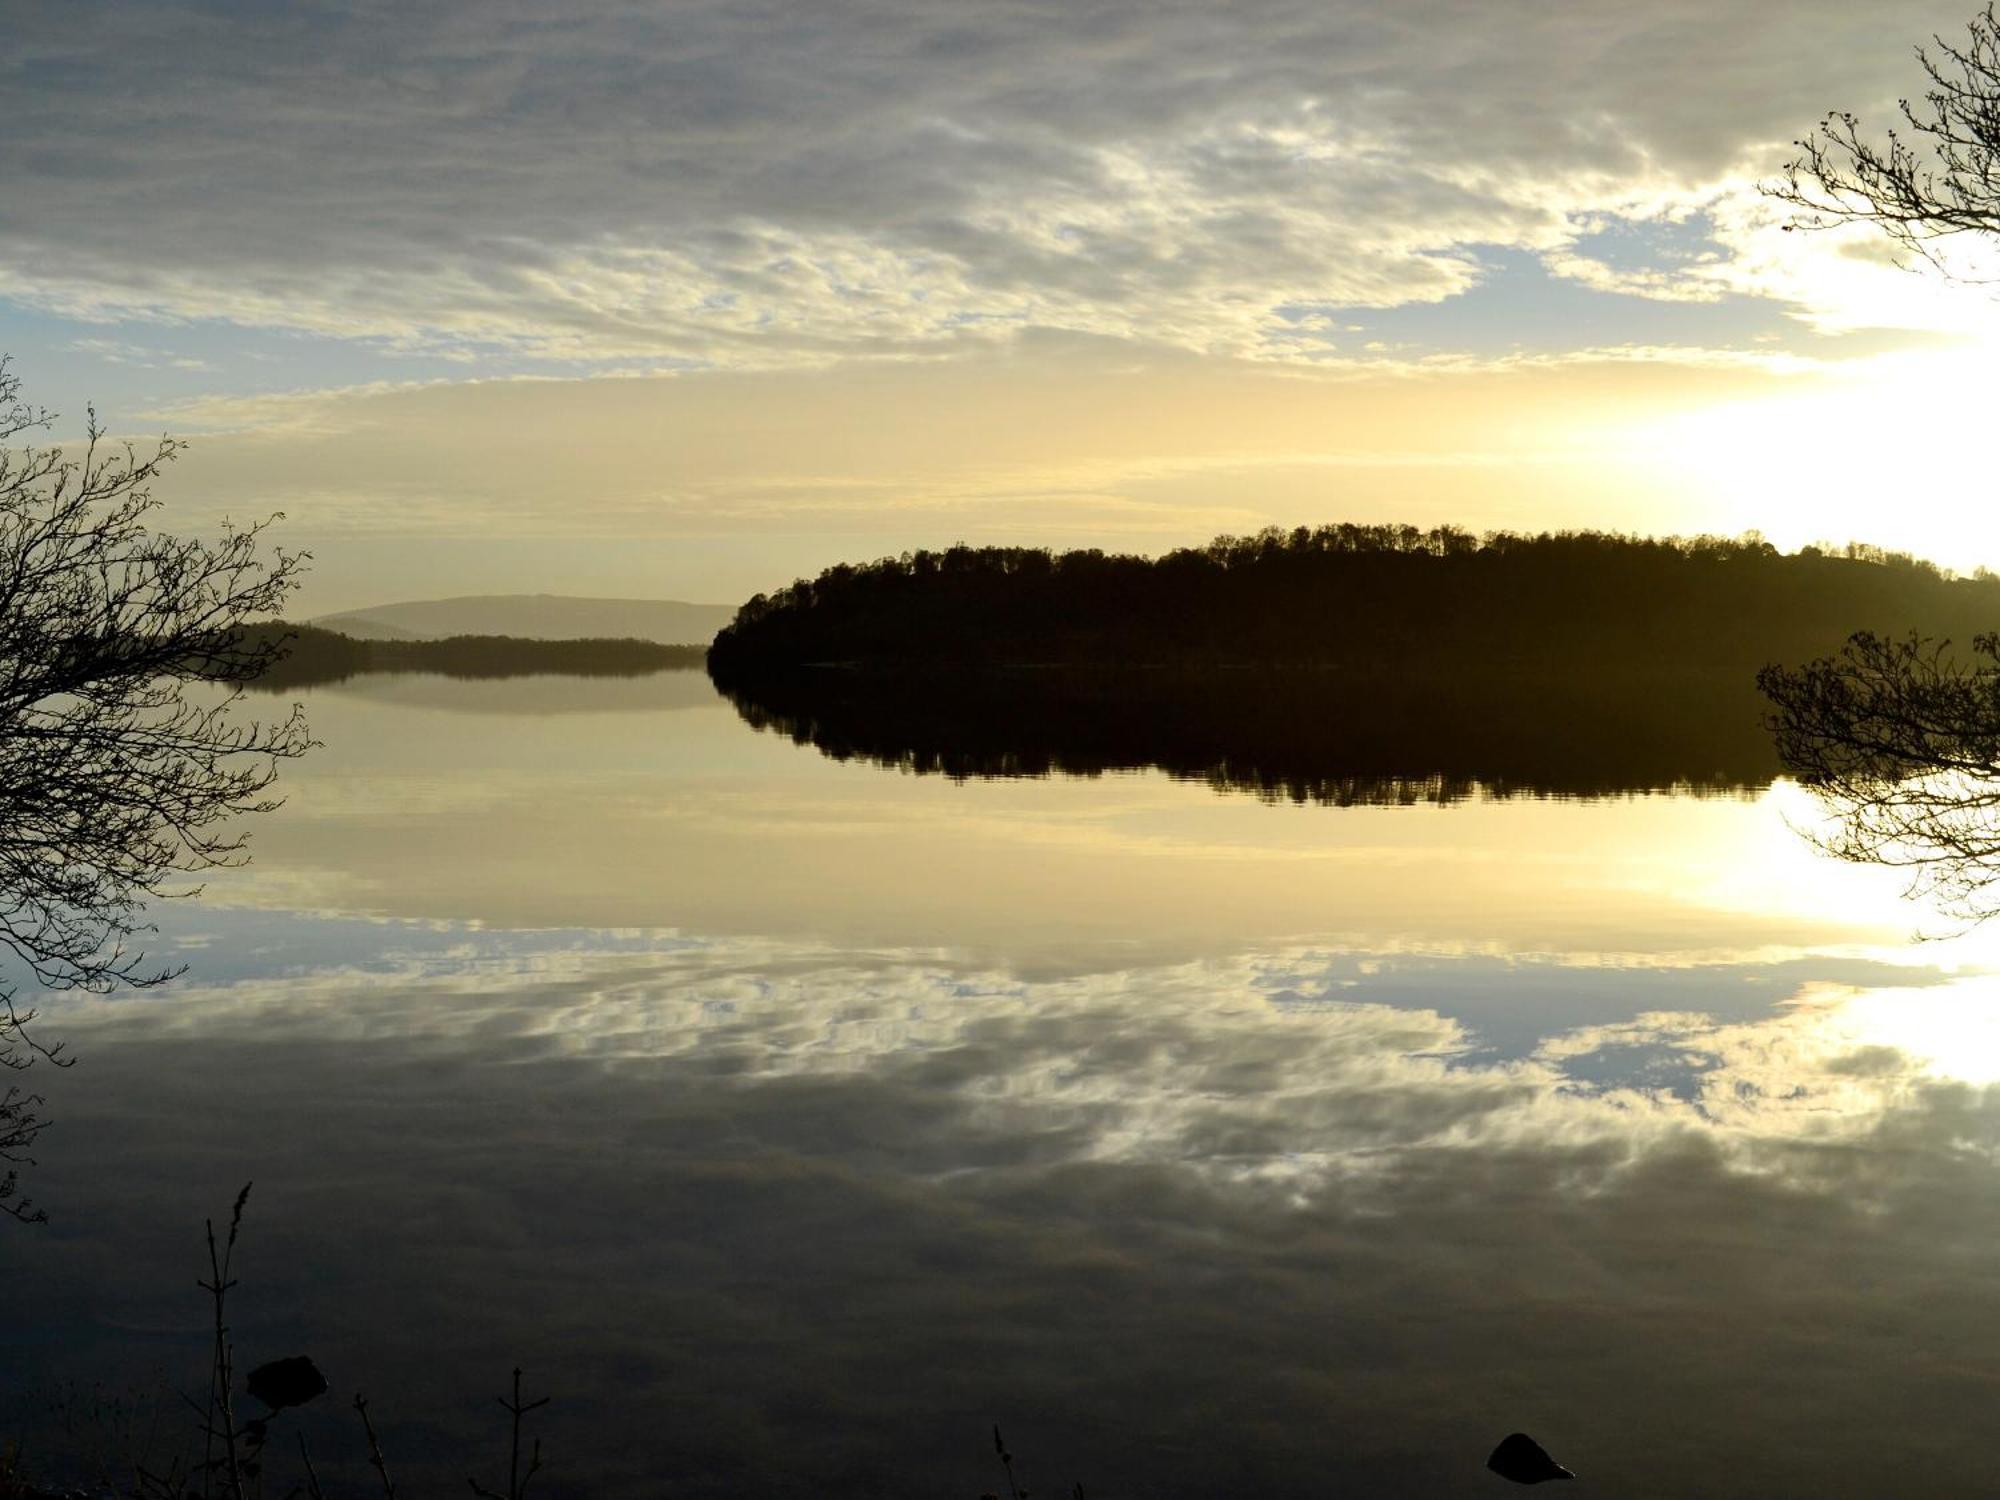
[
  {"x": 1900, "y": 740},
  {"x": 1941, "y": 183},
  {"x": 122, "y": 762}
]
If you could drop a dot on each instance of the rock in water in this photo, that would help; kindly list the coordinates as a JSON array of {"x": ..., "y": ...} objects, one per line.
[
  {"x": 286, "y": 1382},
  {"x": 1525, "y": 1461}
]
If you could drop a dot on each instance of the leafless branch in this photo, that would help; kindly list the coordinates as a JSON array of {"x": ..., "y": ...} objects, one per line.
[
  {"x": 125, "y": 766},
  {"x": 1900, "y": 741},
  {"x": 1928, "y": 182}
]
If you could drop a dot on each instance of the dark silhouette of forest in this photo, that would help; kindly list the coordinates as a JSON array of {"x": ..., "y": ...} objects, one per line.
[
  {"x": 1374, "y": 599},
  {"x": 1348, "y": 664},
  {"x": 1301, "y": 735},
  {"x": 314, "y": 657}
]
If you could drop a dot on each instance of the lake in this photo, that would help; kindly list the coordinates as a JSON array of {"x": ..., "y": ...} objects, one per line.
[{"x": 794, "y": 1120}]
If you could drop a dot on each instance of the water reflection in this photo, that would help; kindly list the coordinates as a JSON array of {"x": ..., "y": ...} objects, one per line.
[
  {"x": 689, "y": 821},
  {"x": 793, "y": 1121},
  {"x": 514, "y": 697},
  {"x": 774, "y": 1218},
  {"x": 1327, "y": 736},
  {"x": 1900, "y": 741}
]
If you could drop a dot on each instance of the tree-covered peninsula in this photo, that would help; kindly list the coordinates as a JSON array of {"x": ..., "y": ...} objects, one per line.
[{"x": 1366, "y": 599}]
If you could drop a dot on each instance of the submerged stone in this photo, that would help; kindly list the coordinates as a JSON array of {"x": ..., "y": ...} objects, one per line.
[
  {"x": 286, "y": 1382},
  {"x": 1525, "y": 1461}
]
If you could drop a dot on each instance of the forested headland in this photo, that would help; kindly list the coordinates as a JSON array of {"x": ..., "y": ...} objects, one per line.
[
  {"x": 1349, "y": 664},
  {"x": 314, "y": 657},
  {"x": 1366, "y": 599}
]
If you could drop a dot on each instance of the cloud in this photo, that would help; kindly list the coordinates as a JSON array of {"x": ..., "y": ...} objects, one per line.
[
  {"x": 995, "y": 447},
  {"x": 746, "y": 183},
  {"x": 112, "y": 351},
  {"x": 772, "y": 1217}
]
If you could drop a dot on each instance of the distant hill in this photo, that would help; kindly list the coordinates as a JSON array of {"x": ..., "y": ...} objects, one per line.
[
  {"x": 365, "y": 627},
  {"x": 536, "y": 617}
]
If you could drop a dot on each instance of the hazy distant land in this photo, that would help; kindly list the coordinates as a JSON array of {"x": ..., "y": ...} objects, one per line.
[
  {"x": 313, "y": 656},
  {"x": 538, "y": 617},
  {"x": 494, "y": 636}
]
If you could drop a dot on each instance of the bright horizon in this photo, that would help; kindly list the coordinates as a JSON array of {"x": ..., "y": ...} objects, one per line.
[{"x": 688, "y": 302}]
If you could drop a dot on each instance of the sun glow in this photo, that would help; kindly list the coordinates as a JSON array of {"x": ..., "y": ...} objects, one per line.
[
  {"x": 1889, "y": 450},
  {"x": 1948, "y": 1031}
]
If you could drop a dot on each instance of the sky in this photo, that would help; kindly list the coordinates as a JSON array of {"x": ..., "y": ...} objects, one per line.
[{"x": 685, "y": 298}]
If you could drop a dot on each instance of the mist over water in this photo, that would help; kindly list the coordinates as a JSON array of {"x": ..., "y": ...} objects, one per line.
[{"x": 794, "y": 1118}]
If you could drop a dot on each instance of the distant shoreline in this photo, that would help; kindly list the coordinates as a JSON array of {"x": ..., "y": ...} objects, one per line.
[{"x": 315, "y": 657}]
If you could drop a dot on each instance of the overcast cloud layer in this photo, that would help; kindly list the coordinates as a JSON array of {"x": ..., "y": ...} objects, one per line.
[{"x": 752, "y": 182}]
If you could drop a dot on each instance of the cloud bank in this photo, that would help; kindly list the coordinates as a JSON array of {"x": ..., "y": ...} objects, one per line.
[{"x": 746, "y": 182}]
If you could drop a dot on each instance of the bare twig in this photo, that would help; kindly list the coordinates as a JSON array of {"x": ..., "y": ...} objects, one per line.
[
  {"x": 374, "y": 1448},
  {"x": 517, "y": 1478},
  {"x": 1007, "y": 1462},
  {"x": 118, "y": 782},
  {"x": 1900, "y": 742},
  {"x": 1921, "y": 195},
  {"x": 219, "y": 1420}
]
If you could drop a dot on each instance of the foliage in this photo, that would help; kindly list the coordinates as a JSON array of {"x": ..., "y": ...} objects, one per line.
[
  {"x": 1899, "y": 737},
  {"x": 1920, "y": 190},
  {"x": 1357, "y": 597},
  {"x": 123, "y": 765},
  {"x": 1900, "y": 740}
]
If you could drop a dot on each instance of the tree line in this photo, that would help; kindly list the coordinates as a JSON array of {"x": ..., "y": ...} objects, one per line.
[{"x": 1367, "y": 598}]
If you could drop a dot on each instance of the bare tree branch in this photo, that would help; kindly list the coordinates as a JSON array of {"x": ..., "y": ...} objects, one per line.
[
  {"x": 1936, "y": 178},
  {"x": 1900, "y": 741},
  {"x": 125, "y": 767}
]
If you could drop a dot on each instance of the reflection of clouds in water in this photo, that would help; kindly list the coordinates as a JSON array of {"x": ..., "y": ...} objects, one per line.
[
  {"x": 1301, "y": 1065},
  {"x": 782, "y": 1219},
  {"x": 1837, "y": 1063}
]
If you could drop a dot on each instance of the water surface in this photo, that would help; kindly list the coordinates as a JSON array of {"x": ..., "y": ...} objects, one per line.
[{"x": 793, "y": 1120}]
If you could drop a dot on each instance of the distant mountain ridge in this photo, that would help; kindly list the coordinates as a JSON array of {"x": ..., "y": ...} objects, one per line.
[{"x": 540, "y": 617}]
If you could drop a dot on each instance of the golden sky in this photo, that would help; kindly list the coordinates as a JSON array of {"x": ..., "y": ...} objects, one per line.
[{"x": 685, "y": 299}]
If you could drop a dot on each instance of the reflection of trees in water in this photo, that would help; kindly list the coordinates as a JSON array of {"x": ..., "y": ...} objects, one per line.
[
  {"x": 115, "y": 780},
  {"x": 1303, "y": 736},
  {"x": 1900, "y": 741},
  {"x": 1899, "y": 738}
]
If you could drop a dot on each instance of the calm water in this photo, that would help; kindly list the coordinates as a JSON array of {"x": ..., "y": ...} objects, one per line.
[{"x": 793, "y": 1121}]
